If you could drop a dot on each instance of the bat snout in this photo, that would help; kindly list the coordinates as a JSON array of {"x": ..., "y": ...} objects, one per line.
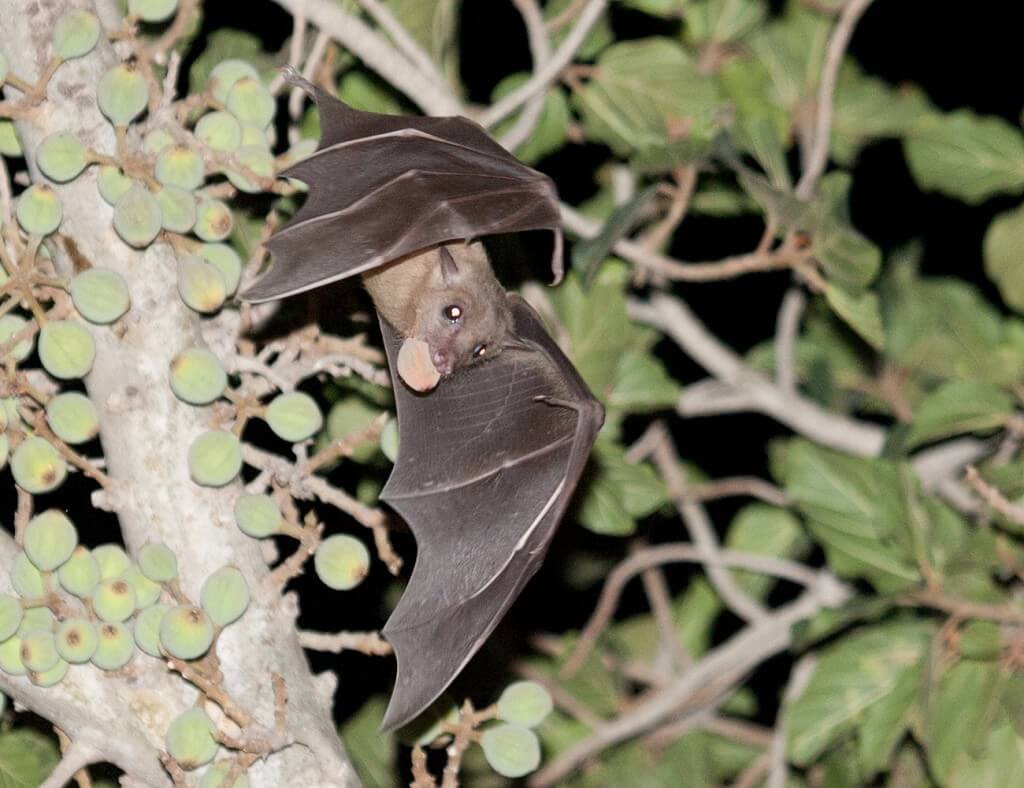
[{"x": 443, "y": 361}]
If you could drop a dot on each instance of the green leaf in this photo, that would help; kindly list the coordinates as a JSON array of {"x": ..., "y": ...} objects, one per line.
[
  {"x": 867, "y": 108},
  {"x": 791, "y": 51},
  {"x": 959, "y": 719},
  {"x": 589, "y": 253},
  {"x": 599, "y": 37},
  {"x": 644, "y": 94},
  {"x": 850, "y": 680},
  {"x": 855, "y": 507},
  {"x": 552, "y": 129},
  {"x": 966, "y": 156},
  {"x": 1002, "y": 763},
  {"x": 666, "y": 9},
  {"x": 758, "y": 137},
  {"x": 848, "y": 257},
  {"x": 619, "y": 492},
  {"x": 367, "y": 93},
  {"x": 957, "y": 407},
  {"x": 641, "y": 384},
  {"x": 372, "y": 752},
  {"x": 945, "y": 328},
  {"x": 722, "y": 21},
  {"x": 1004, "y": 242},
  {"x": 26, "y": 758},
  {"x": 432, "y": 24},
  {"x": 860, "y": 311},
  {"x": 761, "y": 529}
]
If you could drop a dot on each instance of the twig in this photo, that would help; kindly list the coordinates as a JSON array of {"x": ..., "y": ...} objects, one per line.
[
  {"x": 702, "y": 532},
  {"x": 1013, "y": 512},
  {"x": 818, "y": 156},
  {"x": 787, "y": 326},
  {"x": 672, "y": 553},
  {"x": 421, "y": 777},
  {"x": 937, "y": 599},
  {"x": 738, "y": 485},
  {"x": 540, "y": 51},
  {"x": 549, "y": 71},
  {"x": 369, "y": 643},
  {"x": 778, "y": 774},
  {"x": 660, "y": 602}
]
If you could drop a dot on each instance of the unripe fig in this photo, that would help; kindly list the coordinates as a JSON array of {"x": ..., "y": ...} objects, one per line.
[
  {"x": 341, "y": 562},
  {"x": 200, "y": 285},
  {"x": 152, "y": 10},
  {"x": 186, "y": 632},
  {"x": 216, "y": 777},
  {"x": 9, "y": 145},
  {"x": 255, "y": 136},
  {"x": 50, "y": 538},
  {"x": 197, "y": 377},
  {"x": 225, "y": 74},
  {"x": 225, "y": 596},
  {"x": 220, "y": 130},
  {"x": 257, "y": 515},
  {"x": 147, "y": 629},
  {"x": 389, "y": 440},
  {"x": 177, "y": 209},
  {"x": 39, "y": 211},
  {"x": 525, "y": 703},
  {"x": 75, "y": 34},
  {"x": 10, "y": 657},
  {"x": 49, "y": 678},
  {"x": 112, "y": 183},
  {"x": 37, "y": 466},
  {"x": 189, "y": 739},
  {"x": 39, "y": 650},
  {"x": 214, "y": 458},
  {"x": 72, "y": 417},
  {"x": 115, "y": 648},
  {"x": 512, "y": 750},
  {"x": 257, "y": 159},
  {"x": 66, "y": 349},
  {"x": 100, "y": 295},
  {"x": 25, "y": 577},
  {"x": 250, "y": 102},
  {"x": 112, "y": 559},
  {"x": 179, "y": 166},
  {"x": 37, "y": 618},
  {"x": 347, "y": 415},
  {"x": 61, "y": 157},
  {"x": 226, "y": 260},
  {"x": 76, "y": 640},
  {"x": 158, "y": 562},
  {"x": 137, "y": 216},
  {"x": 156, "y": 141},
  {"x": 294, "y": 416},
  {"x": 80, "y": 574},
  {"x": 10, "y": 325},
  {"x": 122, "y": 94},
  {"x": 114, "y": 600},
  {"x": 213, "y": 220},
  {"x": 11, "y": 614},
  {"x": 146, "y": 591}
]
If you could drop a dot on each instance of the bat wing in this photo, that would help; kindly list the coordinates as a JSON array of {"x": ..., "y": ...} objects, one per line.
[
  {"x": 484, "y": 473},
  {"x": 384, "y": 186}
]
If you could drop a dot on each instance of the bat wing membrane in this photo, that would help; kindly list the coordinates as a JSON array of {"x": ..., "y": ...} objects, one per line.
[
  {"x": 484, "y": 474},
  {"x": 385, "y": 186}
]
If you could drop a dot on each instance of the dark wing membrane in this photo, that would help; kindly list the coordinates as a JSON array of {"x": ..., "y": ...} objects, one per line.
[
  {"x": 384, "y": 186},
  {"x": 484, "y": 474}
]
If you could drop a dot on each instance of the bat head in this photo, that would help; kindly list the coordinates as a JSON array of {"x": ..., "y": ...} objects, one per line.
[{"x": 463, "y": 315}]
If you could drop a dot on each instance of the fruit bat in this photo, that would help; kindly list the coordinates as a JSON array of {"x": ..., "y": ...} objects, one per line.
[{"x": 495, "y": 424}]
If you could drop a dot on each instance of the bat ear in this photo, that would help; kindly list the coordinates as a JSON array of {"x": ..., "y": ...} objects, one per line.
[{"x": 449, "y": 268}]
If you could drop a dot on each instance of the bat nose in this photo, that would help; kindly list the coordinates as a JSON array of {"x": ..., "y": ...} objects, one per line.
[{"x": 442, "y": 361}]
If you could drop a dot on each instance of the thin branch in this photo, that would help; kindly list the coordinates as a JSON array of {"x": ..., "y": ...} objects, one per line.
[
  {"x": 540, "y": 51},
  {"x": 369, "y": 643},
  {"x": 1013, "y": 512},
  {"x": 405, "y": 43},
  {"x": 818, "y": 156},
  {"x": 778, "y": 774},
  {"x": 673, "y": 553},
  {"x": 76, "y": 757},
  {"x": 549, "y": 71},
  {"x": 702, "y": 532},
  {"x": 737, "y": 486},
  {"x": 787, "y": 327}
]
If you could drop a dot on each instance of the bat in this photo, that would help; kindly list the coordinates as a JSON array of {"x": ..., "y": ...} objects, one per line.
[{"x": 495, "y": 423}]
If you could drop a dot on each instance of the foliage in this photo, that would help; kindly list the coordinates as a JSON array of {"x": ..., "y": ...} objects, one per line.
[{"x": 865, "y": 612}]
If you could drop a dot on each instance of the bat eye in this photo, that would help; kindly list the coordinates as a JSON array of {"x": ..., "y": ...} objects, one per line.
[
  {"x": 479, "y": 351},
  {"x": 452, "y": 312}
]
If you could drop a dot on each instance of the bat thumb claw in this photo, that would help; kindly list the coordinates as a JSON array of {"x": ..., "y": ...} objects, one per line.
[{"x": 293, "y": 77}]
